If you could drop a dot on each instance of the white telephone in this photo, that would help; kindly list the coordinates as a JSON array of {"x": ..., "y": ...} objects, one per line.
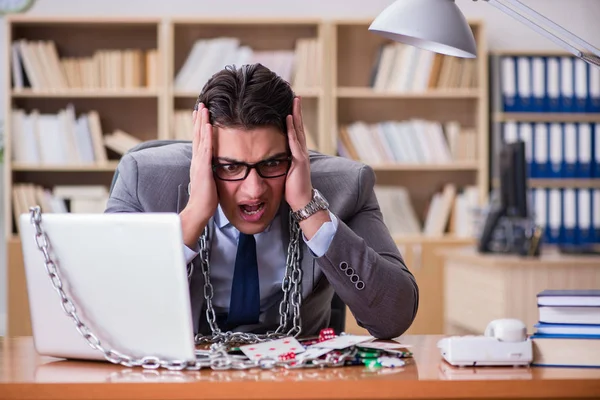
[{"x": 505, "y": 342}]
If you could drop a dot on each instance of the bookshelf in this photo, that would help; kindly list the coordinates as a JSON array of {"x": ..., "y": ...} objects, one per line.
[
  {"x": 79, "y": 77},
  {"x": 551, "y": 101},
  {"x": 273, "y": 42},
  {"x": 156, "y": 102},
  {"x": 457, "y": 93}
]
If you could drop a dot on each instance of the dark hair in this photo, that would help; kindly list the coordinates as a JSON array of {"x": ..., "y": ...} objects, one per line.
[{"x": 247, "y": 97}]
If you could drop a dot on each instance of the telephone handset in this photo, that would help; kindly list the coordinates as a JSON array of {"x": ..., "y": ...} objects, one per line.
[{"x": 504, "y": 342}]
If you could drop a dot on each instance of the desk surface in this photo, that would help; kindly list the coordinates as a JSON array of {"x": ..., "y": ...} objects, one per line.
[{"x": 25, "y": 375}]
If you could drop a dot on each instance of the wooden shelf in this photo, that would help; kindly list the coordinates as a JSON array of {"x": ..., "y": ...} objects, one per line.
[
  {"x": 86, "y": 93},
  {"x": 561, "y": 182},
  {"x": 458, "y": 166},
  {"x": 110, "y": 166},
  {"x": 369, "y": 93},
  {"x": 547, "y": 117},
  {"x": 531, "y": 53},
  {"x": 241, "y": 21}
]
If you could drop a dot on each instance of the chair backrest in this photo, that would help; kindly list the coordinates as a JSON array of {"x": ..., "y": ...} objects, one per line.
[
  {"x": 338, "y": 308},
  {"x": 145, "y": 145}
]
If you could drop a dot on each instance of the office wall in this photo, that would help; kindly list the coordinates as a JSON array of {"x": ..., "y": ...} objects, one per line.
[{"x": 579, "y": 16}]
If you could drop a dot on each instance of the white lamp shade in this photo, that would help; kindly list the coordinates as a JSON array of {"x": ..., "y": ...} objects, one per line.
[{"x": 435, "y": 25}]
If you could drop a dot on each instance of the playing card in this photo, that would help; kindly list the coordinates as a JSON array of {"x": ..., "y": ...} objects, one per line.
[
  {"x": 312, "y": 352},
  {"x": 341, "y": 342},
  {"x": 272, "y": 348},
  {"x": 383, "y": 345}
]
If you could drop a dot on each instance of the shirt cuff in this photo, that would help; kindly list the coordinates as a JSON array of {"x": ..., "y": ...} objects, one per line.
[
  {"x": 319, "y": 243},
  {"x": 190, "y": 254}
]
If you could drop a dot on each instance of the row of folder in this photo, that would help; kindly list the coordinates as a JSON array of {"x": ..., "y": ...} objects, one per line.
[
  {"x": 568, "y": 216},
  {"x": 557, "y": 149},
  {"x": 549, "y": 84}
]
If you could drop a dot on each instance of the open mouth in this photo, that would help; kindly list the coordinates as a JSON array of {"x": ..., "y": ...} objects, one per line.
[{"x": 252, "y": 209}]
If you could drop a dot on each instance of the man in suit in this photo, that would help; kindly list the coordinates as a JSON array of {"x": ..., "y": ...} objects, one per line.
[{"x": 246, "y": 179}]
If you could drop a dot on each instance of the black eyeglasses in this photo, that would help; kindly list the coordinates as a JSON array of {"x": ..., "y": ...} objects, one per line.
[{"x": 238, "y": 171}]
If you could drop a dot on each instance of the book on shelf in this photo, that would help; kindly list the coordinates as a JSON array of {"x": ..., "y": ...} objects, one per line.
[
  {"x": 57, "y": 139},
  {"x": 568, "y": 331},
  {"x": 120, "y": 141},
  {"x": 36, "y": 64},
  {"x": 300, "y": 67},
  {"x": 408, "y": 142},
  {"x": 59, "y": 199},
  {"x": 402, "y": 68},
  {"x": 560, "y": 84},
  {"x": 450, "y": 211}
]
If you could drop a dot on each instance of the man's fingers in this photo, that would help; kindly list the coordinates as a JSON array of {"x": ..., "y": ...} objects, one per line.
[
  {"x": 292, "y": 136},
  {"x": 297, "y": 109},
  {"x": 197, "y": 120},
  {"x": 206, "y": 136}
]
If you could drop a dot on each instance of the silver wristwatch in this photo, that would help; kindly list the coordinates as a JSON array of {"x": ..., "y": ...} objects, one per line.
[{"x": 317, "y": 203}]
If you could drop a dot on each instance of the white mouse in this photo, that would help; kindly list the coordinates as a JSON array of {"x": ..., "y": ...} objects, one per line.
[{"x": 507, "y": 330}]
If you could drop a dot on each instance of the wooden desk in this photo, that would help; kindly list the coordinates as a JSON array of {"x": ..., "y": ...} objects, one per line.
[
  {"x": 25, "y": 375},
  {"x": 481, "y": 287}
]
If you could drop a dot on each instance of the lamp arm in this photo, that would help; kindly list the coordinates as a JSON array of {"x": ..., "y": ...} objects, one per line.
[{"x": 549, "y": 29}]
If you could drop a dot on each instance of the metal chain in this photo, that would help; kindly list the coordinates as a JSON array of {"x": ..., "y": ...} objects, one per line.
[
  {"x": 289, "y": 307},
  {"x": 217, "y": 357}
]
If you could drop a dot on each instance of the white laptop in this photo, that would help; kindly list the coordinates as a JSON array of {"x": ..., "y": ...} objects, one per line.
[{"x": 126, "y": 274}]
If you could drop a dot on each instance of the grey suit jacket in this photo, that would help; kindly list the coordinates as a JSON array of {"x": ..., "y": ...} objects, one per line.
[{"x": 156, "y": 180}]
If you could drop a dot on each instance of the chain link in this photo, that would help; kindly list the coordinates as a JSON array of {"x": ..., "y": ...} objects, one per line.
[
  {"x": 217, "y": 357},
  {"x": 289, "y": 307}
]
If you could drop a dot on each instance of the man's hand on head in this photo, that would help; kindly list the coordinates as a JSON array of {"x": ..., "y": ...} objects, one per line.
[
  {"x": 298, "y": 186},
  {"x": 203, "y": 200}
]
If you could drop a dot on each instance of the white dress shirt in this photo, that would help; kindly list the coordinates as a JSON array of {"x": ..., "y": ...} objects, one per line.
[{"x": 270, "y": 253}]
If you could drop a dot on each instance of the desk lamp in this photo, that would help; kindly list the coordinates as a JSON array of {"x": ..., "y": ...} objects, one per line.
[{"x": 440, "y": 26}]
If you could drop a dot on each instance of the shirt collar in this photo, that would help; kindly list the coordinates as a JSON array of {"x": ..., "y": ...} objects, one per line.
[{"x": 221, "y": 220}]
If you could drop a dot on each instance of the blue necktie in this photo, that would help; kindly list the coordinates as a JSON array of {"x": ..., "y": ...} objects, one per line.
[{"x": 244, "y": 307}]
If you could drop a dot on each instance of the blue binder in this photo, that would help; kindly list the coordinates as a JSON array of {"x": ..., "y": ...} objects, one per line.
[{"x": 585, "y": 150}]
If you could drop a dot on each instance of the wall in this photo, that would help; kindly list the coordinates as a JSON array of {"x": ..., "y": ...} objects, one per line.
[{"x": 578, "y": 16}]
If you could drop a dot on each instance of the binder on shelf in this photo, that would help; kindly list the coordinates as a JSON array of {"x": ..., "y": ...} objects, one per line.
[
  {"x": 541, "y": 151},
  {"x": 508, "y": 72},
  {"x": 569, "y": 226},
  {"x": 567, "y": 84},
  {"x": 596, "y": 154},
  {"x": 585, "y": 150},
  {"x": 570, "y": 168},
  {"x": 526, "y": 135},
  {"x": 593, "y": 104},
  {"x": 538, "y": 79},
  {"x": 585, "y": 233},
  {"x": 555, "y": 212},
  {"x": 553, "y": 102},
  {"x": 524, "y": 99},
  {"x": 581, "y": 69},
  {"x": 539, "y": 199},
  {"x": 556, "y": 155},
  {"x": 596, "y": 214}
]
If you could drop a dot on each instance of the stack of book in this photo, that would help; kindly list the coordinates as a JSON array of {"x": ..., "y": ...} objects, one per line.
[{"x": 568, "y": 332}]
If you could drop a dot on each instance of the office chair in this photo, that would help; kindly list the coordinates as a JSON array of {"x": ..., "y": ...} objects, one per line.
[{"x": 338, "y": 308}]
